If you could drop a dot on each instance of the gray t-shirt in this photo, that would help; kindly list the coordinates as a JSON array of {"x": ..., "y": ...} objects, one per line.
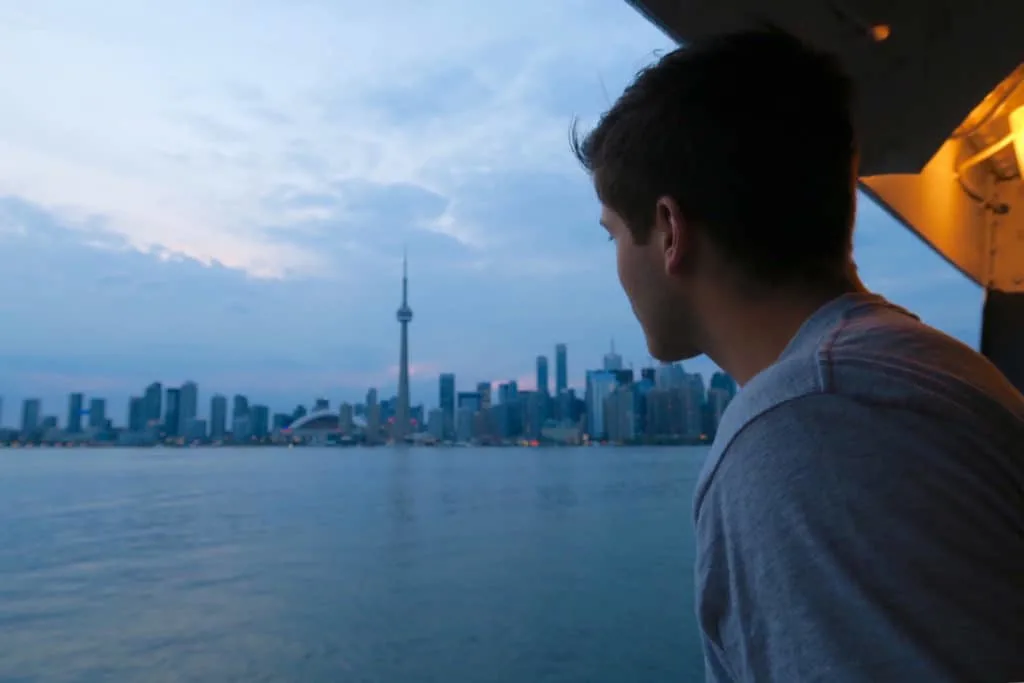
[{"x": 860, "y": 518}]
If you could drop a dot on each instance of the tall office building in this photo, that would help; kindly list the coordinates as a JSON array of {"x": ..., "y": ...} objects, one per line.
[
  {"x": 561, "y": 368},
  {"x": 696, "y": 403},
  {"x": 721, "y": 391},
  {"x": 539, "y": 409},
  {"x": 240, "y": 408},
  {"x": 446, "y": 389},
  {"x": 241, "y": 427},
  {"x": 404, "y": 316},
  {"x": 723, "y": 382},
  {"x": 469, "y": 400},
  {"x": 466, "y": 413},
  {"x": 137, "y": 414},
  {"x": 346, "y": 418},
  {"x": 508, "y": 392},
  {"x": 671, "y": 376},
  {"x": 97, "y": 414},
  {"x": 484, "y": 389},
  {"x": 372, "y": 416},
  {"x": 600, "y": 385},
  {"x": 280, "y": 421},
  {"x": 612, "y": 360},
  {"x": 542, "y": 375},
  {"x": 259, "y": 421},
  {"x": 172, "y": 412},
  {"x": 31, "y": 408},
  {"x": 622, "y": 417},
  {"x": 154, "y": 403},
  {"x": 188, "y": 407},
  {"x": 74, "y": 423},
  {"x": 218, "y": 417}
]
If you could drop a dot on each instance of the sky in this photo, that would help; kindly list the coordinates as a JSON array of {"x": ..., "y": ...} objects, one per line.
[{"x": 220, "y": 191}]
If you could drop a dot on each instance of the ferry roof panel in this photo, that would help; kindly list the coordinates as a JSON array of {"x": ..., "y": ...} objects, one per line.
[{"x": 915, "y": 86}]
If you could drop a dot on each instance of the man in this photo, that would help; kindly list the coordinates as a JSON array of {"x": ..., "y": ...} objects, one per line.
[{"x": 861, "y": 514}]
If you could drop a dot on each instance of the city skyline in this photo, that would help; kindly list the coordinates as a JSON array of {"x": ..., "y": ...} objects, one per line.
[
  {"x": 660, "y": 405},
  {"x": 80, "y": 403},
  {"x": 231, "y": 206}
]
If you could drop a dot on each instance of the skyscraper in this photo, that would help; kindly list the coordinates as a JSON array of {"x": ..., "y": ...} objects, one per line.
[
  {"x": 137, "y": 414},
  {"x": 346, "y": 418},
  {"x": 484, "y": 389},
  {"x": 561, "y": 368},
  {"x": 74, "y": 423},
  {"x": 542, "y": 375},
  {"x": 508, "y": 392},
  {"x": 188, "y": 407},
  {"x": 724, "y": 382},
  {"x": 372, "y": 417},
  {"x": 240, "y": 424},
  {"x": 218, "y": 417},
  {"x": 600, "y": 385},
  {"x": 240, "y": 408},
  {"x": 154, "y": 403},
  {"x": 612, "y": 360},
  {"x": 98, "y": 413},
  {"x": 404, "y": 315},
  {"x": 31, "y": 408},
  {"x": 447, "y": 404},
  {"x": 172, "y": 412},
  {"x": 259, "y": 421}
]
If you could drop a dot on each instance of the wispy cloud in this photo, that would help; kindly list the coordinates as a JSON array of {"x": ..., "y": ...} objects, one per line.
[
  {"x": 221, "y": 191},
  {"x": 180, "y": 128}
]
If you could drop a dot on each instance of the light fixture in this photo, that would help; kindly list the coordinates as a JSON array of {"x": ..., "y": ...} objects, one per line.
[
  {"x": 1015, "y": 137},
  {"x": 1017, "y": 132},
  {"x": 879, "y": 32}
]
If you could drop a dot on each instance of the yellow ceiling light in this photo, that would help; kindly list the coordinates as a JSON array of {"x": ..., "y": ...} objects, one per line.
[
  {"x": 880, "y": 32},
  {"x": 1015, "y": 137},
  {"x": 1017, "y": 132}
]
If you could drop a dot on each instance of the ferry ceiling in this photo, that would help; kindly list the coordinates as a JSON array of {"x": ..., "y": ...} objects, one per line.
[{"x": 941, "y": 121}]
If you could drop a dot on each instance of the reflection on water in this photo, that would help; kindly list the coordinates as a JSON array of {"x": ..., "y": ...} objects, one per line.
[{"x": 347, "y": 565}]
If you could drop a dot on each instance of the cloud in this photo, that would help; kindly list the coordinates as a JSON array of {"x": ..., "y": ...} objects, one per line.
[
  {"x": 186, "y": 138},
  {"x": 112, "y": 319},
  {"x": 224, "y": 196}
]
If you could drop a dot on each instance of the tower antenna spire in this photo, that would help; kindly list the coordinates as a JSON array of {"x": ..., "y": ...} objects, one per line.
[{"x": 405, "y": 276}]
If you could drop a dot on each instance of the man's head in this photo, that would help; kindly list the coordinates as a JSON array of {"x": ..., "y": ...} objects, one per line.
[{"x": 727, "y": 165}]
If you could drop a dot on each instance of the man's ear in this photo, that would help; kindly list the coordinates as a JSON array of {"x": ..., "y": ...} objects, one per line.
[{"x": 671, "y": 229}]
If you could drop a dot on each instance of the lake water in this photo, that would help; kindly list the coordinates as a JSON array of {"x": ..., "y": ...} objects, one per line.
[{"x": 325, "y": 565}]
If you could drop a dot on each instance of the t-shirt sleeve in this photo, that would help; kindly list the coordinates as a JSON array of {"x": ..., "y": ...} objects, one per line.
[{"x": 792, "y": 582}]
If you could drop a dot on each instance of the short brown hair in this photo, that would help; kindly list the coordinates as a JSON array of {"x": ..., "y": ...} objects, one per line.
[{"x": 752, "y": 134}]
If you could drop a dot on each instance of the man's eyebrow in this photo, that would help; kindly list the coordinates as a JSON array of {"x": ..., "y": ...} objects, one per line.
[{"x": 602, "y": 224}]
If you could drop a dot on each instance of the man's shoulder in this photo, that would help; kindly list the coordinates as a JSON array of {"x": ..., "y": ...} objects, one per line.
[
  {"x": 869, "y": 437},
  {"x": 788, "y": 386},
  {"x": 870, "y": 357}
]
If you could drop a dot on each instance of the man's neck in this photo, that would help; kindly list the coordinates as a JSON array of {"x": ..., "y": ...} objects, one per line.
[{"x": 746, "y": 336}]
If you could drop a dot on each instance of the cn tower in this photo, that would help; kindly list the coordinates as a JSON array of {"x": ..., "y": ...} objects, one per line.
[{"x": 404, "y": 315}]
